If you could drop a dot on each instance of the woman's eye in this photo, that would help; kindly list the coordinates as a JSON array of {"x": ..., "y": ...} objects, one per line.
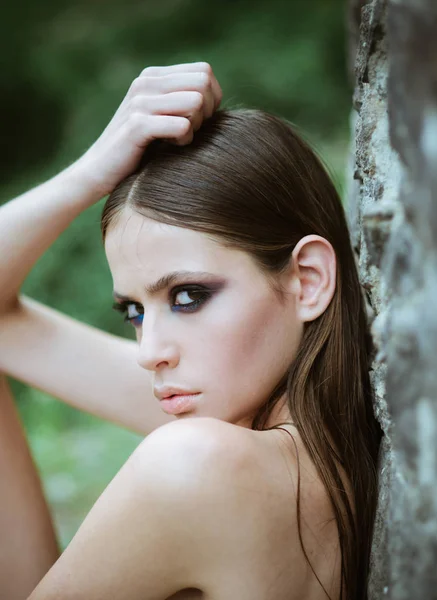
[
  {"x": 182, "y": 300},
  {"x": 133, "y": 315},
  {"x": 184, "y": 297},
  {"x": 189, "y": 300},
  {"x": 132, "y": 311}
]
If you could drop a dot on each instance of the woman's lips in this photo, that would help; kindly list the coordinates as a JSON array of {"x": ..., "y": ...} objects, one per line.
[{"x": 179, "y": 403}]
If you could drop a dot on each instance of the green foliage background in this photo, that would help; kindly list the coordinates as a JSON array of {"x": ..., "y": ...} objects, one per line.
[{"x": 66, "y": 67}]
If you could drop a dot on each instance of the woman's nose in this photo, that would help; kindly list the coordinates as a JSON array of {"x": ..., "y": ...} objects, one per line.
[{"x": 156, "y": 348}]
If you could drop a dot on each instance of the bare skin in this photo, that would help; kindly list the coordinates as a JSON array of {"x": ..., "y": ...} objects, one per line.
[
  {"x": 257, "y": 561},
  {"x": 262, "y": 558},
  {"x": 28, "y": 547},
  {"x": 209, "y": 485}
]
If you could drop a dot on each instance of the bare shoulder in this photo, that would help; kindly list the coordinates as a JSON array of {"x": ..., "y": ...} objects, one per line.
[
  {"x": 218, "y": 464},
  {"x": 167, "y": 496},
  {"x": 224, "y": 469},
  {"x": 203, "y": 447}
]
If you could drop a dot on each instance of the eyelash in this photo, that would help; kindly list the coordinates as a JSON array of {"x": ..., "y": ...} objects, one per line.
[{"x": 190, "y": 307}]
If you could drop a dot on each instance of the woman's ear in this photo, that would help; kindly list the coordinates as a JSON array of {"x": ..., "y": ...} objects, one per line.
[{"x": 313, "y": 276}]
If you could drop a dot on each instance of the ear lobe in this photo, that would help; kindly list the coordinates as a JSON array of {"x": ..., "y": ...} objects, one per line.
[{"x": 314, "y": 276}]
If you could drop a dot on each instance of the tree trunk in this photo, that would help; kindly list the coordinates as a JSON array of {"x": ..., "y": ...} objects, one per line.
[{"x": 392, "y": 211}]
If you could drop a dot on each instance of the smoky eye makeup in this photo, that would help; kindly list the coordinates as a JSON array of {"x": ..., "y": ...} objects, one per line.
[
  {"x": 133, "y": 312},
  {"x": 189, "y": 297},
  {"x": 182, "y": 298}
]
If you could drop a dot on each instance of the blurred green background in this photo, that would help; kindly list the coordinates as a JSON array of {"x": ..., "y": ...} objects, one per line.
[{"x": 66, "y": 67}]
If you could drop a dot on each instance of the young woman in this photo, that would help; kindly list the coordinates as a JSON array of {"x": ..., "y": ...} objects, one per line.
[{"x": 231, "y": 257}]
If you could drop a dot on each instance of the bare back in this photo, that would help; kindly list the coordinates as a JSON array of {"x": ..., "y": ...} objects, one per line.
[{"x": 259, "y": 556}]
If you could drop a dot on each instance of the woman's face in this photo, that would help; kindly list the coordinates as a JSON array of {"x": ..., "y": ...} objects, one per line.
[{"x": 218, "y": 329}]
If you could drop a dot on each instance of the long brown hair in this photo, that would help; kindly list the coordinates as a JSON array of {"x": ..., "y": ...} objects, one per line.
[{"x": 251, "y": 181}]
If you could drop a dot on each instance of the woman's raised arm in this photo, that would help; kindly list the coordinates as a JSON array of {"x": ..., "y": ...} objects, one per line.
[
  {"x": 163, "y": 102},
  {"x": 74, "y": 362}
]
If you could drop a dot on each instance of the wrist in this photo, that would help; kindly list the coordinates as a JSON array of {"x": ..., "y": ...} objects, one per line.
[{"x": 80, "y": 180}]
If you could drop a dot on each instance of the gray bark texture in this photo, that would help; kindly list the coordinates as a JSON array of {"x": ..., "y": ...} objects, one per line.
[{"x": 392, "y": 212}]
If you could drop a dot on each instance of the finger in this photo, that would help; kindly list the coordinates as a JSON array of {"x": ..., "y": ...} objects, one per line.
[
  {"x": 183, "y": 140},
  {"x": 179, "y": 68},
  {"x": 142, "y": 129},
  {"x": 194, "y": 80},
  {"x": 194, "y": 67},
  {"x": 184, "y": 104},
  {"x": 166, "y": 84},
  {"x": 175, "y": 103}
]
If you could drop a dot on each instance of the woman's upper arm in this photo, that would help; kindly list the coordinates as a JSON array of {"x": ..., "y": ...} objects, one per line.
[{"x": 88, "y": 368}]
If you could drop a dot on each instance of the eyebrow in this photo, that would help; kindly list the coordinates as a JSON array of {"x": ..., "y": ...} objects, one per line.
[{"x": 167, "y": 280}]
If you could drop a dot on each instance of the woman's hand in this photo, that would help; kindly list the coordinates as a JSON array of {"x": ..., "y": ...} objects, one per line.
[{"x": 163, "y": 102}]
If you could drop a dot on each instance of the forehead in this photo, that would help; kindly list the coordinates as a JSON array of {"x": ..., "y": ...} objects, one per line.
[{"x": 135, "y": 244}]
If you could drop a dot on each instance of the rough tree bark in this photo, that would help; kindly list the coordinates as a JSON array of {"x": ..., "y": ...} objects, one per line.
[{"x": 392, "y": 211}]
